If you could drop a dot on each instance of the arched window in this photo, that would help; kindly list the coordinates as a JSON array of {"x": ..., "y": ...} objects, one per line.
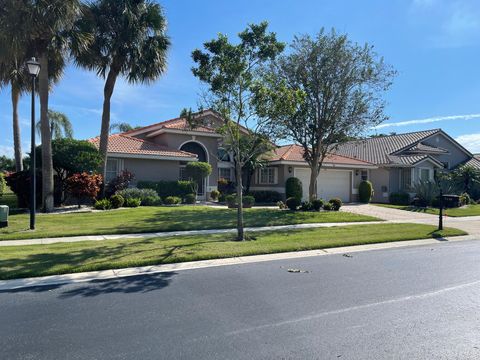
[
  {"x": 195, "y": 148},
  {"x": 223, "y": 155}
]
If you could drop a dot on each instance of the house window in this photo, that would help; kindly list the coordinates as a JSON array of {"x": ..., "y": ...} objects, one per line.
[
  {"x": 364, "y": 175},
  {"x": 424, "y": 174},
  {"x": 267, "y": 176},
  {"x": 224, "y": 173},
  {"x": 112, "y": 169},
  {"x": 182, "y": 173},
  {"x": 406, "y": 179},
  {"x": 223, "y": 155}
]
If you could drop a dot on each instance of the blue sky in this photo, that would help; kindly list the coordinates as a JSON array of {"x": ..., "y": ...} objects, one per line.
[{"x": 433, "y": 44}]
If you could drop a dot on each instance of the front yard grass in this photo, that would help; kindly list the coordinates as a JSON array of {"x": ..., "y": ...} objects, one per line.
[
  {"x": 160, "y": 219},
  {"x": 61, "y": 258},
  {"x": 469, "y": 210}
]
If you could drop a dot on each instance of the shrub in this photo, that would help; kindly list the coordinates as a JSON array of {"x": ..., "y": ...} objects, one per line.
[
  {"x": 132, "y": 202},
  {"x": 84, "y": 186},
  {"x": 3, "y": 185},
  {"x": 231, "y": 200},
  {"x": 197, "y": 171},
  {"x": 465, "y": 199},
  {"x": 281, "y": 205},
  {"x": 327, "y": 206},
  {"x": 214, "y": 194},
  {"x": 137, "y": 193},
  {"x": 425, "y": 192},
  {"x": 266, "y": 196},
  {"x": 292, "y": 203},
  {"x": 365, "y": 191},
  {"x": 248, "y": 200},
  {"x": 117, "y": 201},
  {"x": 336, "y": 204},
  {"x": 190, "y": 199},
  {"x": 152, "y": 201},
  {"x": 103, "y": 204},
  {"x": 225, "y": 186},
  {"x": 293, "y": 188},
  {"x": 306, "y": 206},
  {"x": 19, "y": 183},
  {"x": 399, "y": 198},
  {"x": 167, "y": 188},
  {"x": 119, "y": 183},
  {"x": 317, "y": 204},
  {"x": 172, "y": 200}
]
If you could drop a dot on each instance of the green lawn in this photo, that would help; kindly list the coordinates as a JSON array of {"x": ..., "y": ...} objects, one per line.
[
  {"x": 157, "y": 219},
  {"x": 60, "y": 258},
  {"x": 469, "y": 210}
]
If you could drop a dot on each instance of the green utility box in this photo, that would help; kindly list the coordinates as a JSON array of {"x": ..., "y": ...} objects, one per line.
[{"x": 3, "y": 216}]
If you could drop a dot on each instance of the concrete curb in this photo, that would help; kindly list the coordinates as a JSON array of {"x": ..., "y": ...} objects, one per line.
[
  {"x": 46, "y": 241},
  {"x": 148, "y": 270}
]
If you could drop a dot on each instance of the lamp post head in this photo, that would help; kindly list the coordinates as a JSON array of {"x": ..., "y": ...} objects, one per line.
[{"x": 33, "y": 67}]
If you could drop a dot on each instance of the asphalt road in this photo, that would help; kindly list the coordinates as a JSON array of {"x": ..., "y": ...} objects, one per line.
[{"x": 411, "y": 303}]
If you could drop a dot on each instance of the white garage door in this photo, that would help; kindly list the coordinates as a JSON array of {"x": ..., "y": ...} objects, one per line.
[{"x": 330, "y": 183}]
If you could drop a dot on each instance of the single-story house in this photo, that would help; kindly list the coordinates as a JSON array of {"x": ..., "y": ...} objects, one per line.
[{"x": 392, "y": 163}]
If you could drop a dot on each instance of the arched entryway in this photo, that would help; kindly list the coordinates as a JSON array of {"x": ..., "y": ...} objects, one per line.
[{"x": 198, "y": 149}]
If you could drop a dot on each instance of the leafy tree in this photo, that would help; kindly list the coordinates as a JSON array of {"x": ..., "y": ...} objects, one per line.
[
  {"x": 60, "y": 125},
  {"x": 129, "y": 39},
  {"x": 231, "y": 73},
  {"x": 466, "y": 178},
  {"x": 6, "y": 164},
  {"x": 197, "y": 171},
  {"x": 84, "y": 185},
  {"x": 342, "y": 83}
]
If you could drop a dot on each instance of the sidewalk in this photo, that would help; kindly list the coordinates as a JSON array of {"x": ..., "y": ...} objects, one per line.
[
  {"x": 71, "y": 239},
  {"x": 53, "y": 280}
]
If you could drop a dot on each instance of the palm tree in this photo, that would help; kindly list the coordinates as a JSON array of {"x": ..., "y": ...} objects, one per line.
[
  {"x": 121, "y": 127},
  {"x": 48, "y": 23},
  {"x": 60, "y": 125},
  {"x": 129, "y": 39}
]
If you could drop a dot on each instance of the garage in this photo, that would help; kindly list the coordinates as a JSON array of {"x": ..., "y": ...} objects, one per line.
[{"x": 330, "y": 183}]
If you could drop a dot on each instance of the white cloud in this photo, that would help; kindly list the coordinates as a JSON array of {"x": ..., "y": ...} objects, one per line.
[
  {"x": 429, "y": 120},
  {"x": 470, "y": 141}
]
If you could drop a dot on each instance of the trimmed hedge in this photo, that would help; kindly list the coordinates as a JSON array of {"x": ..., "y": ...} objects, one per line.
[
  {"x": 292, "y": 203},
  {"x": 266, "y": 196},
  {"x": 135, "y": 193},
  {"x": 172, "y": 200},
  {"x": 190, "y": 199},
  {"x": 399, "y": 198},
  {"x": 117, "y": 201},
  {"x": 103, "y": 204},
  {"x": 166, "y": 188},
  {"x": 336, "y": 203},
  {"x": 365, "y": 192},
  {"x": 293, "y": 188}
]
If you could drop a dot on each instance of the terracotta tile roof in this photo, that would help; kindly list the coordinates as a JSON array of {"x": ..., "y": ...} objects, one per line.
[
  {"x": 295, "y": 153},
  {"x": 377, "y": 150},
  {"x": 124, "y": 144}
]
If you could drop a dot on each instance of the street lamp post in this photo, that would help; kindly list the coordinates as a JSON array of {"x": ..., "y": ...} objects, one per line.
[{"x": 33, "y": 69}]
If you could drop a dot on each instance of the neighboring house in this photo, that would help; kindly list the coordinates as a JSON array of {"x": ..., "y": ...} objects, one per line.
[{"x": 392, "y": 163}]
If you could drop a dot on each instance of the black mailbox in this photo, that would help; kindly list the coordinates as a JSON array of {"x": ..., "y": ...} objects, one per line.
[{"x": 451, "y": 201}]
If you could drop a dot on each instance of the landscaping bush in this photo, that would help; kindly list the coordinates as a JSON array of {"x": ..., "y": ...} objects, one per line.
[
  {"x": 214, "y": 194},
  {"x": 117, "y": 201},
  {"x": 231, "y": 200},
  {"x": 266, "y": 196},
  {"x": 425, "y": 192},
  {"x": 306, "y": 206},
  {"x": 465, "y": 199},
  {"x": 248, "y": 201},
  {"x": 103, "y": 204},
  {"x": 3, "y": 184},
  {"x": 399, "y": 198},
  {"x": 293, "y": 188},
  {"x": 197, "y": 171},
  {"x": 327, "y": 206},
  {"x": 225, "y": 186},
  {"x": 166, "y": 188},
  {"x": 281, "y": 205},
  {"x": 19, "y": 183},
  {"x": 172, "y": 200},
  {"x": 336, "y": 204},
  {"x": 137, "y": 193},
  {"x": 119, "y": 183},
  {"x": 152, "y": 201},
  {"x": 317, "y": 204},
  {"x": 132, "y": 202},
  {"x": 365, "y": 192},
  {"x": 190, "y": 199},
  {"x": 292, "y": 203},
  {"x": 84, "y": 186}
]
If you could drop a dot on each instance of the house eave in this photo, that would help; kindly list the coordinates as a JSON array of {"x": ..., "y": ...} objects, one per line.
[
  {"x": 326, "y": 165},
  {"x": 182, "y": 132},
  {"x": 150, "y": 157}
]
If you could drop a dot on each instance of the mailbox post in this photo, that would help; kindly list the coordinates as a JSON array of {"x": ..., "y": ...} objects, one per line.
[{"x": 440, "y": 213}]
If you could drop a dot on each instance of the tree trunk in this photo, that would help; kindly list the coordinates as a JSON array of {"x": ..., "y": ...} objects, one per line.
[
  {"x": 312, "y": 188},
  {"x": 104, "y": 133},
  {"x": 17, "y": 143},
  {"x": 47, "y": 164},
  {"x": 238, "y": 175}
]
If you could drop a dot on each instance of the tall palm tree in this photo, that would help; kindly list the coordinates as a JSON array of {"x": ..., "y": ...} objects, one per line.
[
  {"x": 48, "y": 24},
  {"x": 129, "y": 39},
  {"x": 121, "y": 127},
  {"x": 60, "y": 125}
]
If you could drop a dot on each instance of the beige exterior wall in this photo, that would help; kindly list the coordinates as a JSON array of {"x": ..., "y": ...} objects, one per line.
[
  {"x": 152, "y": 170},
  {"x": 380, "y": 179},
  {"x": 455, "y": 155}
]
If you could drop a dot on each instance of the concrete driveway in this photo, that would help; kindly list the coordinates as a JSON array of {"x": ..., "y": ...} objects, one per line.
[{"x": 470, "y": 224}]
